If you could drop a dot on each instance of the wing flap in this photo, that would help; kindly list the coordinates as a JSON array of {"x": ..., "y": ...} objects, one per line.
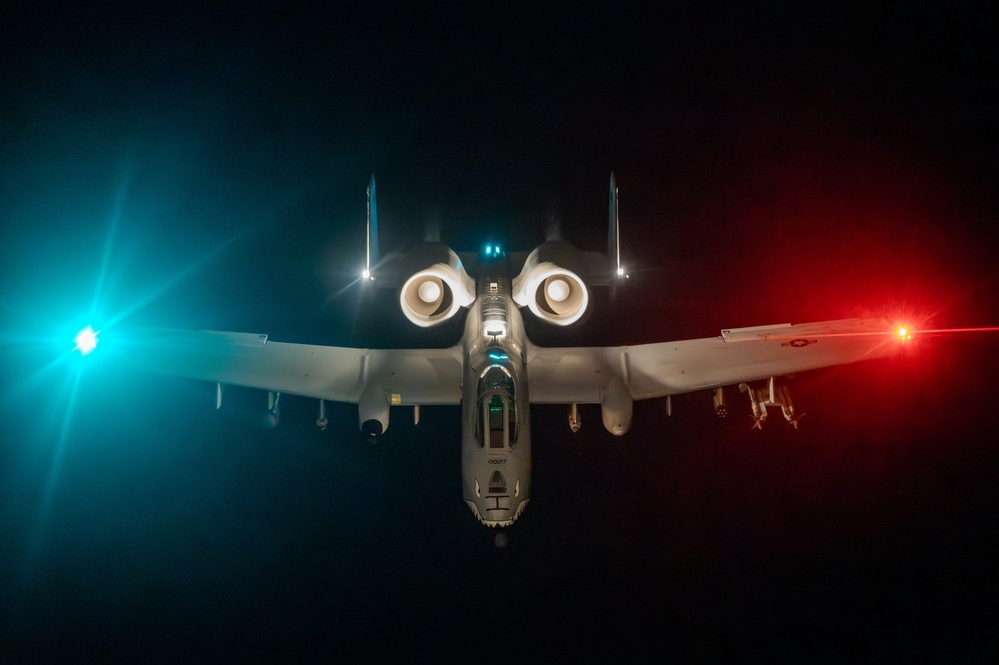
[{"x": 567, "y": 375}]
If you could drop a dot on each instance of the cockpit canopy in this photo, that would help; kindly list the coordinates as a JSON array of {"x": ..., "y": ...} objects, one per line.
[{"x": 496, "y": 412}]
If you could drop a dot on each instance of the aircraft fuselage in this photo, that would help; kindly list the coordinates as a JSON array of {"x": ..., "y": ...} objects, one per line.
[{"x": 496, "y": 424}]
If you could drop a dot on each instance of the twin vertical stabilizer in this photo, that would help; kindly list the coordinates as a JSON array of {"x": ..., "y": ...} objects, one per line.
[
  {"x": 371, "y": 257},
  {"x": 614, "y": 234},
  {"x": 614, "y": 266}
]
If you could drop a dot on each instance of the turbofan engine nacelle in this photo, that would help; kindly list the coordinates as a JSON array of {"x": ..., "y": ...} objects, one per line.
[
  {"x": 551, "y": 283},
  {"x": 436, "y": 291}
]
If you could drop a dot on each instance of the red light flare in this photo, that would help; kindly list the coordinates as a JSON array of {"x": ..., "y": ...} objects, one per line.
[
  {"x": 947, "y": 331},
  {"x": 936, "y": 387},
  {"x": 902, "y": 333}
]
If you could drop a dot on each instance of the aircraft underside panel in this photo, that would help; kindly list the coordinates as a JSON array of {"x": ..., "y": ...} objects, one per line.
[
  {"x": 582, "y": 374},
  {"x": 407, "y": 376}
]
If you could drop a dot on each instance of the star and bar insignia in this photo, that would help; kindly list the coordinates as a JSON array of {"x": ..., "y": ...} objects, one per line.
[{"x": 798, "y": 343}]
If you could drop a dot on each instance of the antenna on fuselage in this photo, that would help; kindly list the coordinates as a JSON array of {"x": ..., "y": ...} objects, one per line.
[
  {"x": 614, "y": 233},
  {"x": 372, "y": 241}
]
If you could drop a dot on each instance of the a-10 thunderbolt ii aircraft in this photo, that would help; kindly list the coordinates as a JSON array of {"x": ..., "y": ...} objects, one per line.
[{"x": 494, "y": 371}]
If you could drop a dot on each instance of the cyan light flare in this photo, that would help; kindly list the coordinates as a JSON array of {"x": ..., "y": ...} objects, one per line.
[{"x": 86, "y": 340}]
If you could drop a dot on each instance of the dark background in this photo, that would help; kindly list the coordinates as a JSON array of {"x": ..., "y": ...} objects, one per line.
[{"x": 206, "y": 168}]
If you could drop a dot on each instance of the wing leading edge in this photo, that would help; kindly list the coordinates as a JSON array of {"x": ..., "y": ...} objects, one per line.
[
  {"x": 342, "y": 374},
  {"x": 582, "y": 374},
  {"x": 556, "y": 375}
]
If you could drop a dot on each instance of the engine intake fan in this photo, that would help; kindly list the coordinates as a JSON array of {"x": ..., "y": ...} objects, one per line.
[
  {"x": 550, "y": 284},
  {"x": 434, "y": 294}
]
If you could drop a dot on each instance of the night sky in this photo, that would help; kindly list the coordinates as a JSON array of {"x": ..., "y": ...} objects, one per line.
[{"x": 207, "y": 169}]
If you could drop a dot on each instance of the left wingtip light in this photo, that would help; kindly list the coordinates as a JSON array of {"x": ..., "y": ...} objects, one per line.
[
  {"x": 86, "y": 340},
  {"x": 904, "y": 333}
]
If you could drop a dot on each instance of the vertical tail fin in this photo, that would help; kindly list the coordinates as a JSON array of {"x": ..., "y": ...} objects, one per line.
[
  {"x": 614, "y": 234},
  {"x": 372, "y": 243}
]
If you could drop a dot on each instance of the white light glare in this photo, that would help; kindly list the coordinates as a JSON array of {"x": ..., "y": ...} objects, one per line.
[
  {"x": 429, "y": 291},
  {"x": 86, "y": 340},
  {"x": 366, "y": 274},
  {"x": 558, "y": 290},
  {"x": 494, "y": 329}
]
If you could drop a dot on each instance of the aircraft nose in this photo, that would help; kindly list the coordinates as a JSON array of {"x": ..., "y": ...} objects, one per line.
[
  {"x": 497, "y": 511},
  {"x": 497, "y": 507}
]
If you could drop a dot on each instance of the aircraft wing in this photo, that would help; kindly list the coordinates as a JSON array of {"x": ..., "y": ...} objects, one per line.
[
  {"x": 581, "y": 374},
  {"x": 341, "y": 374}
]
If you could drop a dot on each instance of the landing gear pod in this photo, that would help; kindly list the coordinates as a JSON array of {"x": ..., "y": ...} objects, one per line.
[
  {"x": 373, "y": 412},
  {"x": 371, "y": 430},
  {"x": 616, "y": 407}
]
